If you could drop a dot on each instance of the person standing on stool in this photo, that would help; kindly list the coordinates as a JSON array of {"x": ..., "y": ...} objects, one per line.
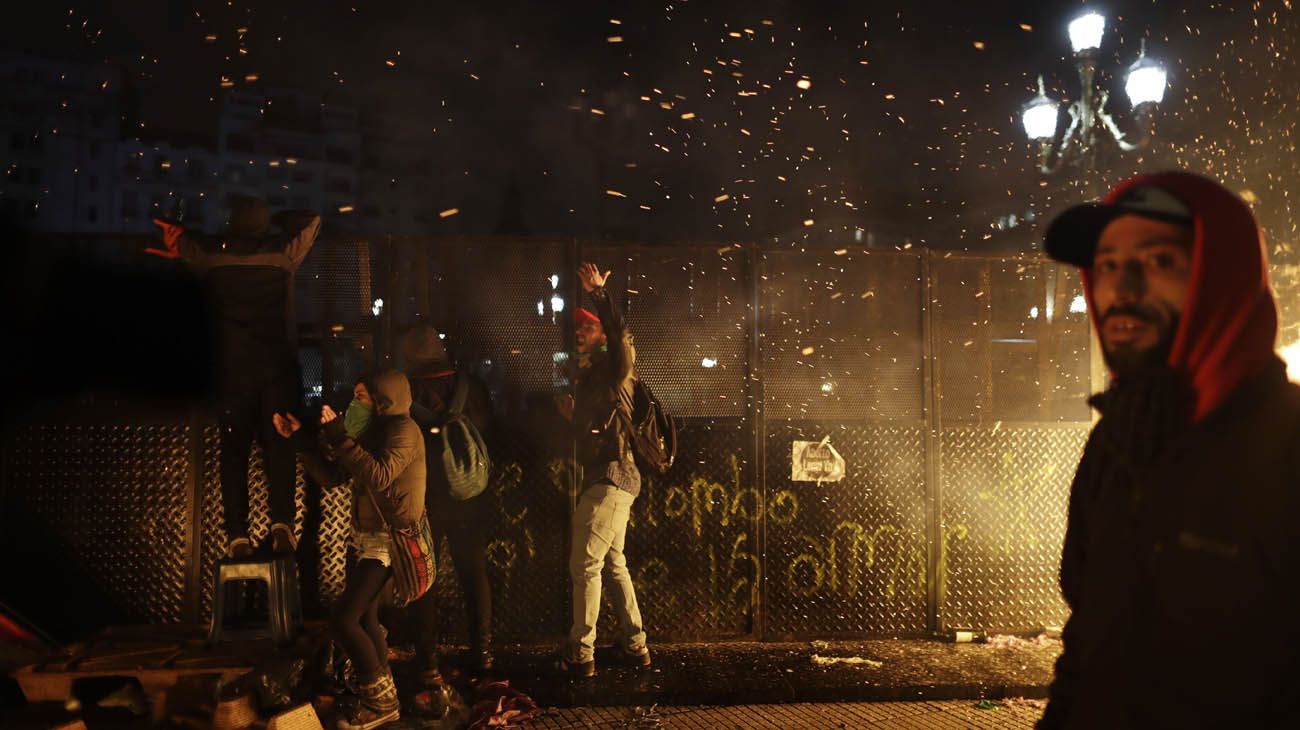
[
  {"x": 376, "y": 445},
  {"x": 247, "y": 277}
]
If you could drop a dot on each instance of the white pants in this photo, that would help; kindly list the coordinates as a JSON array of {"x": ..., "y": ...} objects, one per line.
[{"x": 599, "y": 528}]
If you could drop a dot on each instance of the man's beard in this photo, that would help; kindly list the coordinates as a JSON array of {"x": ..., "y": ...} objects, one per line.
[{"x": 1127, "y": 359}]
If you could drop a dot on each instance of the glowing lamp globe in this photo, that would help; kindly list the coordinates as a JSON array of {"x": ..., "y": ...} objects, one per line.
[
  {"x": 1039, "y": 117},
  {"x": 1145, "y": 83},
  {"x": 1086, "y": 32}
]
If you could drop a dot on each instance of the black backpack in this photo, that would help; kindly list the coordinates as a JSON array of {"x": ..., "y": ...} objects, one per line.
[{"x": 652, "y": 431}]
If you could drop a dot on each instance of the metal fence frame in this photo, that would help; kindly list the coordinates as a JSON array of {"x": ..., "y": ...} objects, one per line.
[{"x": 385, "y": 279}]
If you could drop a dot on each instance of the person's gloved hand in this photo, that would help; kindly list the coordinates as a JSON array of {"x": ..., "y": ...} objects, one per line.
[{"x": 171, "y": 234}]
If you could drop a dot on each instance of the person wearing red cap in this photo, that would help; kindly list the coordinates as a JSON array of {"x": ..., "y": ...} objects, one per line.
[
  {"x": 1181, "y": 560},
  {"x": 603, "y": 386}
]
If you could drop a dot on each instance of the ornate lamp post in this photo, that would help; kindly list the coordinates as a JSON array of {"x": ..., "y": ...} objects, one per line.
[{"x": 1145, "y": 87}]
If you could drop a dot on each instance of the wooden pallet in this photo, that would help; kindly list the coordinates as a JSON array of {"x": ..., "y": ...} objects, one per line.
[{"x": 157, "y": 657}]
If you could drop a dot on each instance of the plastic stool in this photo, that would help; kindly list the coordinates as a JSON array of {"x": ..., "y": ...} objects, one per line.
[{"x": 284, "y": 603}]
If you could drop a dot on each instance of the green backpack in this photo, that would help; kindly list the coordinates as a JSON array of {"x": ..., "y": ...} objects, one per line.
[{"x": 453, "y": 444}]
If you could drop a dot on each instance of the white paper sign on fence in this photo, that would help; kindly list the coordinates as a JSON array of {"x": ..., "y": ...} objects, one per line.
[{"x": 816, "y": 461}]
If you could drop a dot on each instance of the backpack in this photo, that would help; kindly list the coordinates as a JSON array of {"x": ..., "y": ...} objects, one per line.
[
  {"x": 454, "y": 445},
  {"x": 652, "y": 431}
]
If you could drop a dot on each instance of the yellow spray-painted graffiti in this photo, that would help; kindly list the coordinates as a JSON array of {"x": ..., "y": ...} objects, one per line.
[{"x": 836, "y": 563}]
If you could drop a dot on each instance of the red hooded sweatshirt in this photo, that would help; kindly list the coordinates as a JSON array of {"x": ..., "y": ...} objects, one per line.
[{"x": 1228, "y": 328}]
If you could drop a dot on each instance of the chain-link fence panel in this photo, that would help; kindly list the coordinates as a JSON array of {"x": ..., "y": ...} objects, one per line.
[
  {"x": 1011, "y": 341},
  {"x": 842, "y": 335},
  {"x": 1005, "y": 496},
  {"x": 689, "y": 311},
  {"x": 112, "y": 498},
  {"x": 847, "y": 557}
]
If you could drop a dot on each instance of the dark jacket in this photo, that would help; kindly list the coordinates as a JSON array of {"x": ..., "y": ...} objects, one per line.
[
  {"x": 1181, "y": 562},
  {"x": 386, "y": 460},
  {"x": 604, "y": 387},
  {"x": 247, "y": 280},
  {"x": 1182, "y": 574},
  {"x": 433, "y": 383}
]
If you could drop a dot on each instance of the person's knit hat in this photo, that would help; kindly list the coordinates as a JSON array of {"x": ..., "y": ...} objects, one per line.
[{"x": 582, "y": 316}]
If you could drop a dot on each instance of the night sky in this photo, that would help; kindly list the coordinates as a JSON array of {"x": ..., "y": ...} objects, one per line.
[{"x": 674, "y": 120}]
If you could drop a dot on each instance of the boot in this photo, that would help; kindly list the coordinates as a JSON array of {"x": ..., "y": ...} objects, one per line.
[{"x": 377, "y": 705}]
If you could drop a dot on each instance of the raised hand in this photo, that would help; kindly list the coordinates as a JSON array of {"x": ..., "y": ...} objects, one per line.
[
  {"x": 286, "y": 425},
  {"x": 591, "y": 278},
  {"x": 171, "y": 233},
  {"x": 327, "y": 414}
]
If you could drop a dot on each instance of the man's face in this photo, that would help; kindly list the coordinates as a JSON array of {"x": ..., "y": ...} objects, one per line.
[
  {"x": 590, "y": 336},
  {"x": 1140, "y": 275}
]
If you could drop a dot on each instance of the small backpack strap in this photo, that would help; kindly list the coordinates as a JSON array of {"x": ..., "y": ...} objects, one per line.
[{"x": 459, "y": 397}]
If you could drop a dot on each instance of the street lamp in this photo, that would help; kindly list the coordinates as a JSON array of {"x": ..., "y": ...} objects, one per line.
[{"x": 1144, "y": 85}]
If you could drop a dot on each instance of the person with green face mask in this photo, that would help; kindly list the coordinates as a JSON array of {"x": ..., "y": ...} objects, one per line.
[
  {"x": 376, "y": 446},
  {"x": 357, "y": 417}
]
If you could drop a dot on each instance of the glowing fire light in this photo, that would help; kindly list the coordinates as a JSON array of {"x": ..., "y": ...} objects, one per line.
[{"x": 1291, "y": 354}]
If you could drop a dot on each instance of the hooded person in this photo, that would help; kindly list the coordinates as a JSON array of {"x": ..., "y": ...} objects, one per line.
[
  {"x": 1182, "y": 549},
  {"x": 247, "y": 275},
  {"x": 466, "y": 523},
  {"x": 377, "y": 447}
]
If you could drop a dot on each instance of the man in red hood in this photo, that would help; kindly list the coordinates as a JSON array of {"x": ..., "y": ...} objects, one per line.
[{"x": 1181, "y": 562}]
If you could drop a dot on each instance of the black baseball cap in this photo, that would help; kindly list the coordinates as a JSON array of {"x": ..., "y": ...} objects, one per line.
[{"x": 1072, "y": 237}]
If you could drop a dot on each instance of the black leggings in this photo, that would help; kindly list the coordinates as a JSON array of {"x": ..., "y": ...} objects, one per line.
[{"x": 354, "y": 620}]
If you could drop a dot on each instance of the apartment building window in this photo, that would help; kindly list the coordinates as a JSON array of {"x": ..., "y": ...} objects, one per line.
[
  {"x": 94, "y": 150},
  {"x": 93, "y": 184},
  {"x": 339, "y": 186},
  {"x": 92, "y": 214},
  {"x": 339, "y": 155},
  {"x": 302, "y": 176},
  {"x": 16, "y": 140},
  {"x": 196, "y": 168},
  {"x": 33, "y": 176},
  {"x": 239, "y": 142}
]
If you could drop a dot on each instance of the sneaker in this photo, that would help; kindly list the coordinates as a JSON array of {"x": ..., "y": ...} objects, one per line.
[
  {"x": 568, "y": 667},
  {"x": 282, "y": 540},
  {"x": 635, "y": 657},
  {"x": 239, "y": 549}
]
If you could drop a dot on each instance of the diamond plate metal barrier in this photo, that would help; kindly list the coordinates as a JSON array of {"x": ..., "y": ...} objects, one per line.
[
  {"x": 113, "y": 498},
  {"x": 847, "y": 557},
  {"x": 725, "y": 543},
  {"x": 692, "y": 542},
  {"x": 1005, "y": 494},
  {"x": 259, "y": 523}
]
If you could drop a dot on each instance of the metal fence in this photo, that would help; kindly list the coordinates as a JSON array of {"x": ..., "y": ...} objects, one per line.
[{"x": 953, "y": 386}]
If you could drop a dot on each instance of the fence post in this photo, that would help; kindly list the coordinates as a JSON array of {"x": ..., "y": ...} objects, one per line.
[
  {"x": 194, "y": 512},
  {"x": 758, "y": 424},
  {"x": 936, "y": 563}
]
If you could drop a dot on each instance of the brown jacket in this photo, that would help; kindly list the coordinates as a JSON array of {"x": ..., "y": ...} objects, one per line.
[{"x": 386, "y": 460}]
